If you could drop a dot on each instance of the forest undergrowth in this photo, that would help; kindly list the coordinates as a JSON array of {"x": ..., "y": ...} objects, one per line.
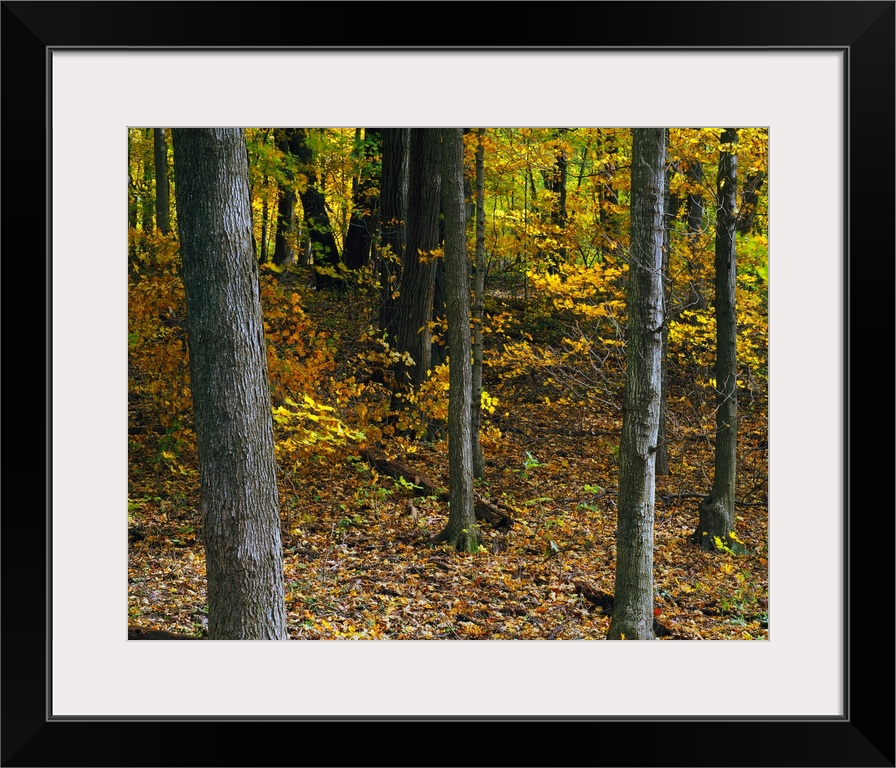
[{"x": 358, "y": 559}]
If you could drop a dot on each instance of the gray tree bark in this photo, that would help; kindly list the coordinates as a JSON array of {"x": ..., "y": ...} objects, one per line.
[
  {"x": 716, "y": 511},
  {"x": 633, "y": 610},
  {"x": 662, "y": 440},
  {"x": 478, "y": 308},
  {"x": 231, "y": 396},
  {"x": 461, "y": 531}
]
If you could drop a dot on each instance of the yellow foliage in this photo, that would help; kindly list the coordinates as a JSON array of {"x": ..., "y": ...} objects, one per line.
[{"x": 310, "y": 425}]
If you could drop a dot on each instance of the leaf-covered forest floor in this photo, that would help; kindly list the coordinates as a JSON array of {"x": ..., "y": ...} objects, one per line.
[{"x": 358, "y": 561}]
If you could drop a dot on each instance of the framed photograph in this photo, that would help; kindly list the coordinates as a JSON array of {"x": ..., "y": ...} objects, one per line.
[{"x": 818, "y": 75}]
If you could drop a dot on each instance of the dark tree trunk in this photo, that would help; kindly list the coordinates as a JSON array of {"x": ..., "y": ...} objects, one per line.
[
  {"x": 133, "y": 195},
  {"x": 695, "y": 208},
  {"x": 231, "y": 397},
  {"x": 555, "y": 182},
  {"x": 363, "y": 221},
  {"x": 461, "y": 531},
  {"x": 716, "y": 511},
  {"x": 439, "y": 350},
  {"x": 468, "y": 187},
  {"x": 608, "y": 197},
  {"x": 285, "y": 241},
  {"x": 160, "y": 157},
  {"x": 265, "y": 217},
  {"x": 415, "y": 302},
  {"x": 633, "y": 611},
  {"x": 746, "y": 219},
  {"x": 694, "y": 200},
  {"x": 317, "y": 220},
  {"x": 146, "y": 212},
  {"x": 393, "y": 215},
  {"x": 478, "y": 308}
]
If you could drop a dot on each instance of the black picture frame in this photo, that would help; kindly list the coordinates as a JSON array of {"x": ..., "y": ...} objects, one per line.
[{"x": 864, "y": 31}]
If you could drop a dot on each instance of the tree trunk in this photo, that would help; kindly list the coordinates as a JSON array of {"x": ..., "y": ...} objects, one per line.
[
  {"x": 749, "y": 202},
  {"x": 133, "y": 195},
  {"x": 285, "y": 247},
  {"x": 716, "y": 511},
  {"x": 415, "y": 301},
  {"x": 633, "y": 611},
  {"x": 363, "y": 220},
  {"x": 608, "y": 197},
  {"x": 461, "y": 531},
  {"x": 694, "y": 200},
  {"x": 439, "y": 347},
  {"x": 695, "y": 206},
  {"x": 478, "y": 308},
  {"x": 555, "y": 182},
  {"x": 393, "y": 215},
  {"x": 265, "y": 216},
  {"x": 231, "y": 396},
  {"x": 146, "y": 212},
  {"x": 160, "y": 156},
  {"x": 662, "y": 446},
  {"x": 317, "y": 220}
]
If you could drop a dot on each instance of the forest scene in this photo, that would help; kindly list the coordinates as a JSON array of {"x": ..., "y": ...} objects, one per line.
[{"x": 448, "y": 384}]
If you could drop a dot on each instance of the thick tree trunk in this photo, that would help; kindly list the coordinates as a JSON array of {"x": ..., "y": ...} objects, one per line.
[
  {"x": 231, "y": 396},
  {"x": 317, "y": 220},
  {"x": 160, "y": 157},
  {"x": 461, "y": 531},
  {"x": 415, "y": 302},
  {"x": 285, "y": 248},
  {"x": 633, "y": 611},
  {"x": 393, "y": 215},
  {"x": 363, "y": 220},
  {"x": 478, "y": 308},
  {"x": 285, "y": 239},
  {"x": 716, "y": 511}
]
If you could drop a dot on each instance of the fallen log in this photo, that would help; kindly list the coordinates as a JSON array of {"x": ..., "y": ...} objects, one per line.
[
  {"x": 605, "y": 601},
  {"x": 399, "y": 470},
  {"x": 492, "y": 513},
  {"x": 495, "y": 514}
]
